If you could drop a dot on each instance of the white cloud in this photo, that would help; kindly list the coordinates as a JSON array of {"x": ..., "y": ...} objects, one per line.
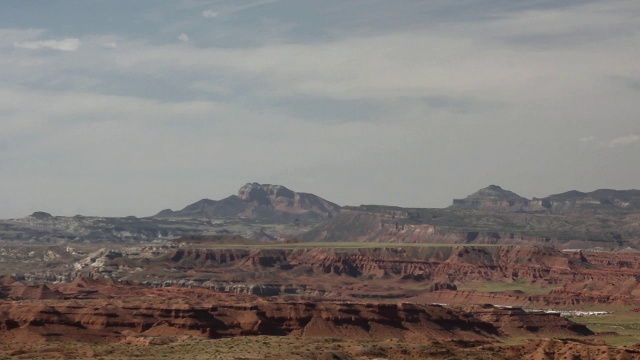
[
  {"x": 469, "y": 60},
  {"x": 398, "y": 65},
  {"x": 624, "y": 140},
  {"x": 543, "y": 93},
  {"x": 110, "y": 45},
  {"x": 62, "y": 45},
  {"x": 209, "y": 14},
  {"x": 235, "y": 6},
  {"x": 93, "y": 137},
  {"x": 11, "y": 36}
]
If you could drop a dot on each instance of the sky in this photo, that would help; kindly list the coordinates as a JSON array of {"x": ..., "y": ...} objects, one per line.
[{"x": 119, "y": 108}]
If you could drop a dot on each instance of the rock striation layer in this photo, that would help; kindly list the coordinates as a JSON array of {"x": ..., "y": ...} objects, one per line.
[{"x": 168, "y": 312}]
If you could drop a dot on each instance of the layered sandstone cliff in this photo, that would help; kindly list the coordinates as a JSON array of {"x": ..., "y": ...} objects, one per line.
[{"x": 167, "y": 312}]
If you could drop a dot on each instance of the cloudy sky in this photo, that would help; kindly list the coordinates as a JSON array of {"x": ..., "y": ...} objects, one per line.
[{"x": 129, "y": 107}]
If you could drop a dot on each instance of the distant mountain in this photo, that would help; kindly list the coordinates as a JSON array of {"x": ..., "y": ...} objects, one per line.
[
  {"x": 263, "y": 212},
  {"x": 495, "y": 198},
  {"x": 492, "y": 198},
  {"x": 259, "y": 201},
  {"x": 493, "y": 215},
  {"x": 42, "y": 227},
  {"x": 598, "y": 201},
  {"x": 259, "y": 212},
  {"x": 205, "y": 208}
]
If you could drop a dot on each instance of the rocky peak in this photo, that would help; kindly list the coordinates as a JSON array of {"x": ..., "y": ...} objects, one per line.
[
  {"x": 41, "y": 215},
  {"x": 493, "y": 197},
  {"x": 495, "y": 192},
  {"x": 265, "y": 201},
  {"x": 263, "y": 193},
  {"x": 598, "y": 201}
]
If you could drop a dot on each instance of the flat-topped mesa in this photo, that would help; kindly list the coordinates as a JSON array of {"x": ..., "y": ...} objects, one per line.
[{"x": 492, "y": 197}]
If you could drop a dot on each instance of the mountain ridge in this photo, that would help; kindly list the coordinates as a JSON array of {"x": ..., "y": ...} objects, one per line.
[
  {"x": 255, "y": 201},
  {"x": 265, "y": 212},
  {"x": 495, "y": 198}
]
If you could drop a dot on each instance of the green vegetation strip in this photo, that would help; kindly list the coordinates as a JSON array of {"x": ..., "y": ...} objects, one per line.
[
  {"x": 335, "y": 245},
  {"x": 500, "y": 286},
  {"x": 622, "y": 321}
]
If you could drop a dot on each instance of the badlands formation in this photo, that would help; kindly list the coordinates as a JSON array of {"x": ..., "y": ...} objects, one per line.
[{"x": 271, "y": 273}]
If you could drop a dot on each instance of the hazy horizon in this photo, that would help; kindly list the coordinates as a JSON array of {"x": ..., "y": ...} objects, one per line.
[
  {"x": 189, "y": 202},
  {"x": 127, "y": 108}
]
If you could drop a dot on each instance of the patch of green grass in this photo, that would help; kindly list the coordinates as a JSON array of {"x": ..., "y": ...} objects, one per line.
[
  {"x": 500, "y": 286},
  {"x": 516, "y": 340},
  {"x": 622, "y": 321}
]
